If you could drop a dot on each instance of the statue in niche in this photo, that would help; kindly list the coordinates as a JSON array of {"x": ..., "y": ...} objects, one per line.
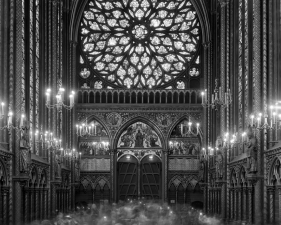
[
  {"x": 139, "y": 139},
  {"x": 219, "y": 158},
  {"x": 77, "y": 170},
  {"x": 201, "y": 175},
  {"x": 25, "y": 153},
  {"x": 251, "y": 151},
  {"x": 57, "y": 167},
  {"x": 24, "y": 141}
]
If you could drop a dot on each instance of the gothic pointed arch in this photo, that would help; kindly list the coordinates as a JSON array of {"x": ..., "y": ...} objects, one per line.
[
  {"x": 136, "y": 124},
  {"x": 140, "y": 137},
  {"x": 185, "y": 137},
  {"x": 94, "y": 137},
  {"x": 3, "y": 174}
]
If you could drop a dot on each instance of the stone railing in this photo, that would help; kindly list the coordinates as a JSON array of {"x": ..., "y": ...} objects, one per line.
[{"x": 192, "y": 96}]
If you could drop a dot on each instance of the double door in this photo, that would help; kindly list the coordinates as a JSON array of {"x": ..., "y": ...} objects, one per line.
[{"x": 139, "y": 179}]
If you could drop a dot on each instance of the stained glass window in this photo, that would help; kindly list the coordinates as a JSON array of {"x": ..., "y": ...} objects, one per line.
[{"x": 140, "y": 43}]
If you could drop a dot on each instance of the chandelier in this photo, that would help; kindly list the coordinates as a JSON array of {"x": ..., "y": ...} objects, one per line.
[
  {"x": 191, "y": 130},
  {"x": 60, "y": 100},
  {"x": 268, "y": 121},
  {"x": 86, "y": 129},
  {"x": 9, "y": 126},
  {"x": 218, "y": 98}
]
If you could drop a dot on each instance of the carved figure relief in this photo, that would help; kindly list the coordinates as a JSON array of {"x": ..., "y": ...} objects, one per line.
[
  {"x": 219, "y": 158},
  {"x": 24, "y": 140},
  {"x": 114, "y": 119},
  {"x": 184, "y": 146},
  {"x": 251, "y": 151},
  {"x": 139, "y": 135},
  {"x": 201, "y": 175}
]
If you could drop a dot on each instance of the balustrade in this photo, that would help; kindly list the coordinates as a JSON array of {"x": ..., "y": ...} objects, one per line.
[{"x": 108, "y": 96}]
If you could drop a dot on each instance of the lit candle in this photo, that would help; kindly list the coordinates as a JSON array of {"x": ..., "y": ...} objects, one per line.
[
  {"x": 197, "y": 126},
  {"x": 58, "y": 99},
  {"x": 48, "y": 97},
  {"x": 36, "y": 135},
  {"x": 203, "y": 97},
  {"x": 189, "y": 126},
  {"x": 61, "y": 93},
  {"x": 22, "y": 120},
  {"x": 2, "y": 109},
  {"x": 259, "y": 120},
  {"x": 71, "y": 100},
  {"x": 10, "y": 119},
  {"x": 243, "y": 134},
  {"x": 252, "y": 120},
  {"x": 274, "y": 117},
  {"x": 265, "y": 120}
]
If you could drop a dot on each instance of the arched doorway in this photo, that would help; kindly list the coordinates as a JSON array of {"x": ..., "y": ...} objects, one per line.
[
  {"x": 139, "y": 164},
  {"x": 139, "y": 178}
]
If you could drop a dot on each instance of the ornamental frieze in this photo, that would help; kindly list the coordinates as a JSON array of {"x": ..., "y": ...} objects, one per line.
[{"x": 164, "y": 121}]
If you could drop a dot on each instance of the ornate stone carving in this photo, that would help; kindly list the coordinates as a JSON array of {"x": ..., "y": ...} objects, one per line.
[
  {"x": 219, "y": 158},
  {"x": 251, "y": 151}
]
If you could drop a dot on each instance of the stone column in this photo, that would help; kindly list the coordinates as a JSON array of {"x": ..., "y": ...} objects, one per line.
[
  {"x": 113, "y": 169},
  {"x": 5, "y": 206},
  {"x": 235, "y": 204},
  {"x": 244, "y": 204},
  {"x": 271, "y": 204},
  {"x": 36, "y": 204},
  {"x": 239, "y": 208},
  {"x": 26, "y": 205},
  {"x": 164, "y": 174},
  {"x": 31, "y": 204},
  {"x": 250, "y": 192},
  {"x": 230, "y": 204},
  {"x": 279, "y": 203},
  {"x": 45, "y": 215}
]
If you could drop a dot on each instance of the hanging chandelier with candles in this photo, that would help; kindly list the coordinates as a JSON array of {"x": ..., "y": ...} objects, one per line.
[
  {"x": 9, "y": 126},
  {"x": 219, "y": 99},
  {"x": 86, "y": 129},
  {"x": 60, "y": 100}
]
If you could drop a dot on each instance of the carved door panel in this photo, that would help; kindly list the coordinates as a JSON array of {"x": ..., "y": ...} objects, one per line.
[
  {"x": 139, "y": 179},
  {"x": 150, "y": 174},
  {"x": 127, "y": 178}
]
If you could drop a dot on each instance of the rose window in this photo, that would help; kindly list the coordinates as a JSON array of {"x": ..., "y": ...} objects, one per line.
[{"x": 140, "y": 43}]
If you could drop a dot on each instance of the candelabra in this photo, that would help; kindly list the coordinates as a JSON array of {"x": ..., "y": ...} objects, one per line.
[
  {"x": 191, "y": 129},
  {"x": 218, "y": 98},
  {"x": 269, "y": 121},
  {"x": 9, "y": 126},
  {"x": 60, "y": 100},
  {"x": 86, "y": 129}
]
